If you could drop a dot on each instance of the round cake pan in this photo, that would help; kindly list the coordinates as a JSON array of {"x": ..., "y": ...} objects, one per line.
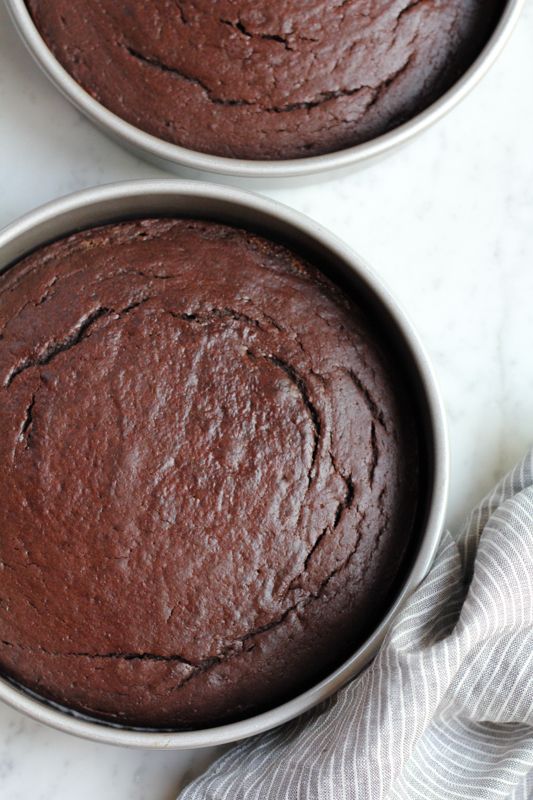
[
  {"x": 169, "y": 197},
  {"x": 192, "y": 164}
]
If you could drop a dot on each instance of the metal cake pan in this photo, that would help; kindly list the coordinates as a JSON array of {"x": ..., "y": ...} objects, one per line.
[
  {"x": 170, "y": 197},
  {"x": 193, "y": 164}
]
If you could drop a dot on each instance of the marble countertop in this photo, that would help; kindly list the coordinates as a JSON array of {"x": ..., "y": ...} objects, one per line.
[{"x": 447, "y": 222}]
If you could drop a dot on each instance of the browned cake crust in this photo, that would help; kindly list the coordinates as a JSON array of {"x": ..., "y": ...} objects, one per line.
[
  {"x": 271, "y": 79},
  {"x": 208, "y": 476}
]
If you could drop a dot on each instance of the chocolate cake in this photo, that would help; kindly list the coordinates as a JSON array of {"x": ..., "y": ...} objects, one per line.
[
  {"x": 272, "y": 79},
  {"x": 210, "y": 471}
]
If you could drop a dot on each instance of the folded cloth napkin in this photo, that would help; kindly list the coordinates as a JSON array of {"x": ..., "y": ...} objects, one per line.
[{"x": 446, "y": 708}]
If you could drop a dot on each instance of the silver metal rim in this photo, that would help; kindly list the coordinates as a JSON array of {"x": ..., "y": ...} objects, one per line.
[
  {"x": 93, "y": 206},
  {"x": 175, "y": 155}
]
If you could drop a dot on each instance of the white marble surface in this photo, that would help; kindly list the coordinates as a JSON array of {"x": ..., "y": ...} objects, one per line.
[{"x": 447, "y": 222}]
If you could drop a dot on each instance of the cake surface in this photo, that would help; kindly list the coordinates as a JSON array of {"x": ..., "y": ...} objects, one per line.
[
  {"x": 209, "y": 473},
  {"x": 266, "y": 80}
]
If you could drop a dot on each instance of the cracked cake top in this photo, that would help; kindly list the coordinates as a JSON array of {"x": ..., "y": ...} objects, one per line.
[
  {"x": 266, "y": 80},
  {"x": 209, "y": 473}
]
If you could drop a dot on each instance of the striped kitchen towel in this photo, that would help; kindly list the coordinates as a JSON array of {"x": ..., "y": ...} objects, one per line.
[{"x": 445, "y": 710}]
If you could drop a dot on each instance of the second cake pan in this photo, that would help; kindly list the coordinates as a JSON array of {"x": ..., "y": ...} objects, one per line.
[
  {"x": 177, "y": 198},
  {"x": 193, "y": 164}
]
